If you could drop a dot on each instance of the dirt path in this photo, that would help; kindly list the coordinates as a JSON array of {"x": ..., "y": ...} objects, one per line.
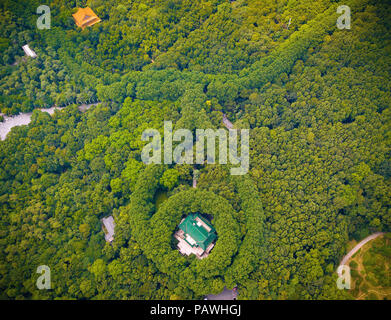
[{"x": 357, "y": 247}]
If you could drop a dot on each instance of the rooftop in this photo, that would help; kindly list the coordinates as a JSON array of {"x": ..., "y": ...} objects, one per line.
[
  {"x": 28, "y": 51},
  {"x": 85, "y": 17},
  {"x": 109, "y": 225},
  {"x": 197, "y": 231}
]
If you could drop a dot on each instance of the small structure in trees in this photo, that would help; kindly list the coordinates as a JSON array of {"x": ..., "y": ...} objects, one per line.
[
  {"x": 108, "y": 228},
  {"x": 85, "y": 17},
  {"x": 196, "y": 236},
  {"x": 27, "y": 50}
]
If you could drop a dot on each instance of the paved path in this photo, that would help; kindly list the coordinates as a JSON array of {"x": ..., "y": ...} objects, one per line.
[
  {"x": 357, "y": 247},
  {"x": 195, "y": 177},
  {"x": 25, "y": 118},
  {"x": 228, "y": 124},
  {"x": 84, "y": 107},
  {"x": 224, "y": 295}
]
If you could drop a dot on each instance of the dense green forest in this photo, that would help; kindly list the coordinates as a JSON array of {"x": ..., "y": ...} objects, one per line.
[{"x": 316, "y": 98}]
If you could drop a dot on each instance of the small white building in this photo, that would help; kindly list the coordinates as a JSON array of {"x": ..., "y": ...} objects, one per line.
[
  {"x": 28, "y": 51},
  {"x": 108, "y": 224}
]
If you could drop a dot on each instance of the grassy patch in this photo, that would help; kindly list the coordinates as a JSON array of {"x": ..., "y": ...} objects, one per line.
[{"x": 371, "y": 270}]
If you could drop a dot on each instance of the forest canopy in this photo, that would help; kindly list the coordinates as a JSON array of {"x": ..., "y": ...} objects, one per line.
[{"x": 316, "y": 99}]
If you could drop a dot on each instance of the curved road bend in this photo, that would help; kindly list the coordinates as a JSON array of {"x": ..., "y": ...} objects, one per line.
[{"x": 357, "y": 247}]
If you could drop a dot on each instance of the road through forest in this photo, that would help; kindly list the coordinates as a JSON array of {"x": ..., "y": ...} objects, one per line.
[{"x": 358, "y": 247}]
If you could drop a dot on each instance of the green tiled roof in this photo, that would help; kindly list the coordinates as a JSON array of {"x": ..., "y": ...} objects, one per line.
[{"x": 201, "y": 236}]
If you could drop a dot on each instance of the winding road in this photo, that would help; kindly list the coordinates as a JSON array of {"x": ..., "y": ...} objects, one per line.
[
  {"x": 25, "y": 118},
  {"x": 356, "y": 248}
]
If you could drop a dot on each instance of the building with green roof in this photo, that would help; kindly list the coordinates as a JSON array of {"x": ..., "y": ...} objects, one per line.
[{"x": 196, "y": 235}]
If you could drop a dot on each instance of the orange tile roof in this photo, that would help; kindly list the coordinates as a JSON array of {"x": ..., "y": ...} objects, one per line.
[{"x": 85, "y": 17}]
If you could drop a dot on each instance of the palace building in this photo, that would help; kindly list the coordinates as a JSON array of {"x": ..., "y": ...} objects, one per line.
[{"x": 196, "y": 236}]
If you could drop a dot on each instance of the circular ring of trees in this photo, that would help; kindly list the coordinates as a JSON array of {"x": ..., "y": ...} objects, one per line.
[{"x": 233, "y": 256}]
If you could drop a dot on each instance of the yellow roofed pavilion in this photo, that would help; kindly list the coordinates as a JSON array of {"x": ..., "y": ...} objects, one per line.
[{"x": 85, "y": 17}]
